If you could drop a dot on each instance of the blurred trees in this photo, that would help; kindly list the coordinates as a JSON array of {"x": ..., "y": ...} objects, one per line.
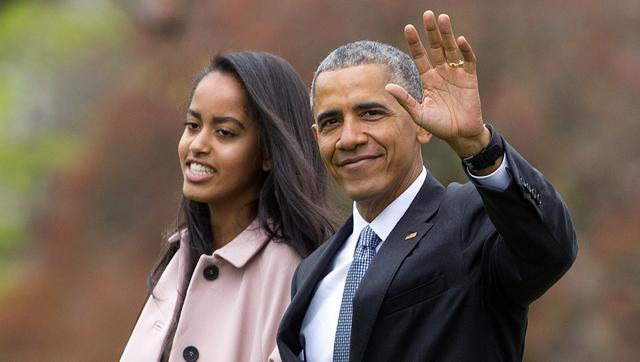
[
  {"x": 92, "y": 97},
  {"x": 41, "y": 42}
]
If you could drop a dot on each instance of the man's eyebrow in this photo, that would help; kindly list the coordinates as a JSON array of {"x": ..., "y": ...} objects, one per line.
[
  {"x": 327, "y": 114},
  {"x": 217, "y": 120},
  {"x": 368, "y": 105}
]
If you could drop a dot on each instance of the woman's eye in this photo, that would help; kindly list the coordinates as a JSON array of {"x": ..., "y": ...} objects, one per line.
[
  {"x": 191, "y": 125},
  {"x": 224, "y": 132}
]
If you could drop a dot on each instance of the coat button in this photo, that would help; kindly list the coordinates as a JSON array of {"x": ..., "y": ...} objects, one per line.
[
  {"x": 190, "y": 354},
  {"x": 210, "y": 272}
]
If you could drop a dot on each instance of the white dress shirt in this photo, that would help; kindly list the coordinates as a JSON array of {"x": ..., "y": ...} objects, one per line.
[{"x": 321, "y": 320}]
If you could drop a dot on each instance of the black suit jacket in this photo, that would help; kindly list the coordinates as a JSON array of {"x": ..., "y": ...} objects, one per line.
[{"x": 460, "y": 289}]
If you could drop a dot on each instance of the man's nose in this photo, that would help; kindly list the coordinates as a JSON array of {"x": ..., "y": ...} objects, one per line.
[{"x": 351, "y": 135}]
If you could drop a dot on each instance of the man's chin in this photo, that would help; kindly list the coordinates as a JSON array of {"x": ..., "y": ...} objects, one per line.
[{"x": 360, "y": 193}]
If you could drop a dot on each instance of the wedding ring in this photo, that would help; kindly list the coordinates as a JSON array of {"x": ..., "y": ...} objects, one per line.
[{"x": 458, "y": 64}]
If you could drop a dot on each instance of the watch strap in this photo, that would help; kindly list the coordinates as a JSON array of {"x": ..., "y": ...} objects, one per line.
[{"x": 488, "y": 156}]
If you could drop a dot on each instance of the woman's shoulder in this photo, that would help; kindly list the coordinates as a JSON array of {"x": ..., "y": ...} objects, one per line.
[
  {"x": 277, "y": 254},
  {"x": 271, "y": 247},
  {"x": 279, "y": 247}
]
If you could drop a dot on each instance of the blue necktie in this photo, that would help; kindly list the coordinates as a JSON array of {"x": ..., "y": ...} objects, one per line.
[{"x": 365, "y": 251}]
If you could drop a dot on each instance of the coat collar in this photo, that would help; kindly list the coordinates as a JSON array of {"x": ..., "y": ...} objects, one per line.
[{"x": 239, "y": 251}]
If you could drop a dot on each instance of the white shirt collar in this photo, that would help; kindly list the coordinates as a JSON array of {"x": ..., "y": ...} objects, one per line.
[{"x": 384, "y": 223}]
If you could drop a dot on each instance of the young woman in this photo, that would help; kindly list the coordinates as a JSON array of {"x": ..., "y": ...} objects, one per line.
[{"x": 254, "y": 204}]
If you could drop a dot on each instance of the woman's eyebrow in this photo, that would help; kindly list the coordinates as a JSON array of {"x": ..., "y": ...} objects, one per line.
[
  {"x": 217, "y": 120},
  {"x": 194, "y": 113},
  {"x": 227, "y": 119}
]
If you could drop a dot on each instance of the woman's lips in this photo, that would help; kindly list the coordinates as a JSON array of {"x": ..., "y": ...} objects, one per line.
[{"x": 198, "y": 172}]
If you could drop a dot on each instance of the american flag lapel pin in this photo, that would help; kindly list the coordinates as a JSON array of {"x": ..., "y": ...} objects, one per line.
[{"x": 410, "y": 235}]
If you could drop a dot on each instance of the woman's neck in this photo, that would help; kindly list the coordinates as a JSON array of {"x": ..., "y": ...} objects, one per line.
[{"x": 229, "y": 221}]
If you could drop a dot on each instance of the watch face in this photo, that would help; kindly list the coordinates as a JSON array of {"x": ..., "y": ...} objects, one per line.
[{"x": 468, "y": 164}]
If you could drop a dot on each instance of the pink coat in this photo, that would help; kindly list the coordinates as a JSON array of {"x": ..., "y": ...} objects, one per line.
[{"x": 232, "y": 308}]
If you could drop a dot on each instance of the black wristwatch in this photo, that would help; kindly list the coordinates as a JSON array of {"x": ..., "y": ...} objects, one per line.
[{"x": 488, "y": 156}]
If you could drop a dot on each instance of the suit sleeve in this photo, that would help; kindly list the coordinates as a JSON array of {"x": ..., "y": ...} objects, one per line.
[{"x": 535, "y": 242}]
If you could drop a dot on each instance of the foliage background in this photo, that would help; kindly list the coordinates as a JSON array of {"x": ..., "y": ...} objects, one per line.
[{"x": 92, "y": 97}]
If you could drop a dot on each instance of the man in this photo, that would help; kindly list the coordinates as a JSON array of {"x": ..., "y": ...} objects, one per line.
[{"x": 421, "y": 272}]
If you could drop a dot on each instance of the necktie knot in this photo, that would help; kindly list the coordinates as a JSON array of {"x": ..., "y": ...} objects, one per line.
[{"x": 368, "y": 238}]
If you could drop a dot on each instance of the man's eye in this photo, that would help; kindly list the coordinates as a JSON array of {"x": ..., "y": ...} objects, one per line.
[
  {"x": 328, "y": 122},
  {"x": 372, "y": 114}
]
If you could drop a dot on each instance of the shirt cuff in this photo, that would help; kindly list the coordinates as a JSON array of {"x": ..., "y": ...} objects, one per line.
[{"x": 498, "y": 180}]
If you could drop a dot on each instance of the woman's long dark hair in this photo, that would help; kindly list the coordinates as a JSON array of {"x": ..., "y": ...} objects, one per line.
[{"x": 292, "y": 203}]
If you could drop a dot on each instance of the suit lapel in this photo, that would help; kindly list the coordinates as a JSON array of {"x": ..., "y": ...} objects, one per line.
[
  {"x": 318, "y": 267},
  {"x": 399, "y": 243},
  {"x": 313, "y": 269}
]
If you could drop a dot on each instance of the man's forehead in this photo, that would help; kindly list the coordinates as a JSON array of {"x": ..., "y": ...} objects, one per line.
[
  {"x": 360, "y": 80},
  {"x": 356, "y": 72}
]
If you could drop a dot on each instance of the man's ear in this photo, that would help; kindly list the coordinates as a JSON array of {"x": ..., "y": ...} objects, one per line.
[
  {"x": 423, "y": 135},
  {"x": 314, "y": 130}
]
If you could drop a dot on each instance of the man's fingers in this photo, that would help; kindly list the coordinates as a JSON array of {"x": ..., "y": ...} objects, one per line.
[
  {"x": 451, "y": 51},
  {"x": 467, "y": 54},
  {"x": 434, "y": 37},
  {"x": 417, "y": 50},
  {"x": 406, "y": 100}
]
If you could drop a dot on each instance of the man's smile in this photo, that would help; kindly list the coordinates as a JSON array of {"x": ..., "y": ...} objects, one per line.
[{"x": 358, "y": 161}]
